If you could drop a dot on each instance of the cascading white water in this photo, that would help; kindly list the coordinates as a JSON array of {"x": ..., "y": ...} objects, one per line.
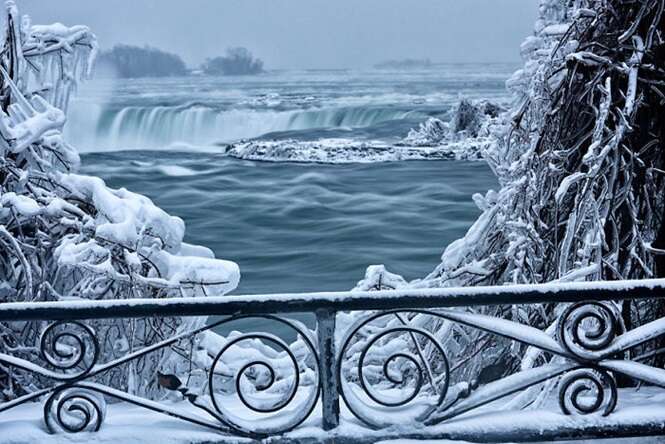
[
  {"x": 354, "y": 117},
  {"x": 93, "y": 128}
]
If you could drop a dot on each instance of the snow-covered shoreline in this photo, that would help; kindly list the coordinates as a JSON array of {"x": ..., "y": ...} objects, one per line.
[{"x": 341, "y": 151}]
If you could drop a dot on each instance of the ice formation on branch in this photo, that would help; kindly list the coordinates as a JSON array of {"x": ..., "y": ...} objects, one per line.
[
  {"x": 470, "y": 122},
  {"x": 64, "y": 235},
  {"x": 580, "y": 164}
]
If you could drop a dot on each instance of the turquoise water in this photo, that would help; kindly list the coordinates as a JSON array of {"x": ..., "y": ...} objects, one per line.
[{"x": 295, "y": 227}]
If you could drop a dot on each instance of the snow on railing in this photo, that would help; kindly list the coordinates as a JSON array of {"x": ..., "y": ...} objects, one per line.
[{"x": 374, "y": 353}]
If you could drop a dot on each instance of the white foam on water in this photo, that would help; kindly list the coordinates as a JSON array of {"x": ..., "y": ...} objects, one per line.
[{"x": 176, "y": 171}]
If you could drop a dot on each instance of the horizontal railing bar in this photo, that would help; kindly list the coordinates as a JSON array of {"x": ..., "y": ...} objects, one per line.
[{"x": 336, "y": 301}]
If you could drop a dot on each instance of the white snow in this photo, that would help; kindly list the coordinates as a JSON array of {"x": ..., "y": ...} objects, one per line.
[
  {"x": 343, "y": 151},
  {"x": 602, "y": 290},
  {"x": 133, "y": 221},
  {"x": 129, "y": 423},
  {"x": 556, "y": 30},
  {"x": 513, "y": 330}
]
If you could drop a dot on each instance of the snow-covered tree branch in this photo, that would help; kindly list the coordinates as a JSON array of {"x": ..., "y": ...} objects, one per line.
[
  {"x": 64, "y": 235},
  {"x": 579, "y": 159}
]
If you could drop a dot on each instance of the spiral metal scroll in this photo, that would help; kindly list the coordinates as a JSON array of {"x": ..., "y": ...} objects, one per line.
[
  {"x": 74, "y": 410},
  {"x": 588, "y": 328},
  {"x": 70, "y": 347},
  {"x": 275, "y": 377},
  {"x": 373, "y": 399},
  {"x": 585, "y": 391}
]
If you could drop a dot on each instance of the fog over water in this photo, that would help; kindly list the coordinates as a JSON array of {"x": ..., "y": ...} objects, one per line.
[{"x": 306, "y": 33}]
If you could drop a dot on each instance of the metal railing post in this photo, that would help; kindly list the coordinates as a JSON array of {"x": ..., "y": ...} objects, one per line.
[{"x": 325, "y": 320}]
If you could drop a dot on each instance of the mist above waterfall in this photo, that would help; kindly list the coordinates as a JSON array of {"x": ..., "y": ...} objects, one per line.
[
  {"x": 202, "y": 112},
  {"x": 297, "y": 34}
]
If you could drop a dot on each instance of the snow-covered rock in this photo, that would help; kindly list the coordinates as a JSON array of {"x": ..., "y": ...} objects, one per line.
[{"x": 341, "y": 151}]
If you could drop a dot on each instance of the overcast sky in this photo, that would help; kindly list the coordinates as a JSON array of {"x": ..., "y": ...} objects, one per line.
[{"x": 306, "y": 33}]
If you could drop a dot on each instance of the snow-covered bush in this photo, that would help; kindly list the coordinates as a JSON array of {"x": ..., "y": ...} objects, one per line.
[
  {"x": 467, "y": 134},
  {"x": 432, "y": 132},
  {"x": 64, "y": 235},
  {"x": 468, "y": 121}
]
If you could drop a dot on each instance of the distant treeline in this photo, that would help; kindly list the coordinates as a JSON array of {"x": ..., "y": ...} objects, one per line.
[
  {"x": 404, "y": 64},
  {"x": 134, "y": 61},
  {"x": 237, "y": 61}
]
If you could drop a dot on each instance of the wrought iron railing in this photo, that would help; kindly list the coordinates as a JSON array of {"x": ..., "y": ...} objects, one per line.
[{"x": 403, "y": 390}]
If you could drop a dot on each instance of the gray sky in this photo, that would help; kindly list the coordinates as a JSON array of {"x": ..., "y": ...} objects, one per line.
[{"x": 306, "y": 33}]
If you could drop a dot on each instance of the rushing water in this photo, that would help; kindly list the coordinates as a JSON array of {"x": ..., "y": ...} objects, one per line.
[
  {"x": 307, "y": 227},
  {"x": 291, "y": 227}
]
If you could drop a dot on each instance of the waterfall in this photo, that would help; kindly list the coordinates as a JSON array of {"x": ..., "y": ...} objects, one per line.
[{"x": 96, "y": 128}]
